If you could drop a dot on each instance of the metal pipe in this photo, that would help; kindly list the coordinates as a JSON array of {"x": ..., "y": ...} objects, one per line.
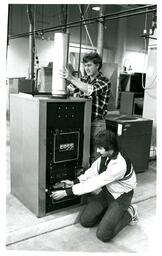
[
  {"x": 117, "y": 15},
  {"x": 60, "y": 60},
  {"x": 100, "y": 39},
  {"x": 9, "y": 13},
  {"x": 65, "y": 16},
  {"x": 80, "y": 43},
  {"x": 31, "y": 47}
]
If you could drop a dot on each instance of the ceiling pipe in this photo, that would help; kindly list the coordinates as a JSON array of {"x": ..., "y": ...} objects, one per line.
[{"x": 112, "y": 16}]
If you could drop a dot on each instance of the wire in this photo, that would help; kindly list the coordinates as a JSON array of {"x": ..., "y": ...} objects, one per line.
[
  {"x": 150, "y": 95},
  {"x": 86, "y": 9},
  {"x": 86, "y": 26},
  {"x": 151, "y": 85},
  {"x": 145, "y": 54},
  {"x": 59, "y": 17},
  {"x": 42, "y": 17}
]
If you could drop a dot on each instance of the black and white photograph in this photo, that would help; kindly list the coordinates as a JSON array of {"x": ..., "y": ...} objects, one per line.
[{"x": 79, "y": 127}]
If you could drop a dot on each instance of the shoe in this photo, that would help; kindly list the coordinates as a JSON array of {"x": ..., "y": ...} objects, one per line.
[{"x": 132, "y": 209}]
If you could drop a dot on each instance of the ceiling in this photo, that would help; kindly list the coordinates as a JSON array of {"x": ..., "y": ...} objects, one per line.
[{"x": 49, "y": 17}]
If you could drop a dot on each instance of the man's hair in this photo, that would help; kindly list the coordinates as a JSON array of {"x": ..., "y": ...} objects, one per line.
[
  {"x": 107, "y": 139},
  {"x": 94, "y": 57}
]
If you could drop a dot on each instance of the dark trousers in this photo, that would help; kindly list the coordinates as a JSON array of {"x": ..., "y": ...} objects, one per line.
[
  {"x": 111, "y": 214},
  {"x": 96, "y": 126}
]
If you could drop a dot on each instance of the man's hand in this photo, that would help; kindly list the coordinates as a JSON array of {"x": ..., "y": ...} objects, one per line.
[
  {"x": 71, "y": 88},
  {"x": 66, "y": 74},
  {"x": 57, "y": 195},
  {"x": 67, "y": 183},
  {"x": 84, "y": 87}
]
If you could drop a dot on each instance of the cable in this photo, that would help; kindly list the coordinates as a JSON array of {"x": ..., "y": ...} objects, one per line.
[
  {"x": 58, "y": 14},
  {"x": 86, "y": 9},
  {"x": 86, "y": 27},
  {"x": 145, "y": 53},
  {"x": 150, "y": 86}
]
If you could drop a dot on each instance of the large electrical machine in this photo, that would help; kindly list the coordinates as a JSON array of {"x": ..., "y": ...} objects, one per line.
[{"x": 49, "y": 142}]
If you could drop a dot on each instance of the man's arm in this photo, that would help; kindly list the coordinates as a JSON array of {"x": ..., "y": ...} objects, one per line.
[
  {"x": 68, "y": 184},
  {"x": 84, "y": 87}
]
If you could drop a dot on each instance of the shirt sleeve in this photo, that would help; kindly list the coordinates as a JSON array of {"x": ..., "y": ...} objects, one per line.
[
  {"x": 114, "y": 172},
  {"x": 92, "y": 171},
  {"x": 101, "y": 87}
]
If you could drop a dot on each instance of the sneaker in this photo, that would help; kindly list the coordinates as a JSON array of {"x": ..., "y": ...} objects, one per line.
[{"x": 132, "y": 209}]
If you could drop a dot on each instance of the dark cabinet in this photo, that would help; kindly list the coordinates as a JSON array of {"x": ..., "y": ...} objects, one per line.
[{"x": 131, "y": 91}]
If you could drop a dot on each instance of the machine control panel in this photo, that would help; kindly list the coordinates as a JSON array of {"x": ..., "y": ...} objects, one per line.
[{"x": 64, "y": 149}]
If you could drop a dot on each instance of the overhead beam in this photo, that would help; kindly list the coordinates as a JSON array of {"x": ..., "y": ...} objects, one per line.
[{"x": 112, "y": 16}]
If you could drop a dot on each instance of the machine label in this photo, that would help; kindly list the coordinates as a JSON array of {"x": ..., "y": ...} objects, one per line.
[{"x": 67, "y": 146}]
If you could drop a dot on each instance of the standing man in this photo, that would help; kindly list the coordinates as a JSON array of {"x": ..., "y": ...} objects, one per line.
[{"x": 95, "y": 85}]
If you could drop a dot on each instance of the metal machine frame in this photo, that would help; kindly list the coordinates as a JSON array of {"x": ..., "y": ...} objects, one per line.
[{"x": 28, "y": 136}]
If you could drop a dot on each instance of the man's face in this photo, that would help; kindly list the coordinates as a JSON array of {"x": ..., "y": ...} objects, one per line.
[
  {"x": 91, "y": 69},
  {"x": 103, "y": 152}
]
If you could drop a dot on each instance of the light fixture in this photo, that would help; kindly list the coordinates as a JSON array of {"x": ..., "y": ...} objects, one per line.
[{"x": 96, "y": 8}]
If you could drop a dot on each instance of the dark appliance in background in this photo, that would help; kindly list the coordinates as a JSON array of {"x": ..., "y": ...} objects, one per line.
[
  {"x": 134, "y": 138},
  {"x": 132, "y": 84}
]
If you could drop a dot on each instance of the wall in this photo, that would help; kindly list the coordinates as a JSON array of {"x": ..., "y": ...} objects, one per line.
[
  {"x": 150, "y": 96},
  {"x": 18, "y": 56},
  {"x": 137, "y": 61}
]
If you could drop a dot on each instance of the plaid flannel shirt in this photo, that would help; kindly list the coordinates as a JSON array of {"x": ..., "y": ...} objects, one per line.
[{"x": 100, "y": 94}]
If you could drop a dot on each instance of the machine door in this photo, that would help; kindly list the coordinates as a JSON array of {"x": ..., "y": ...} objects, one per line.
[{"x": 64, "y": 149}]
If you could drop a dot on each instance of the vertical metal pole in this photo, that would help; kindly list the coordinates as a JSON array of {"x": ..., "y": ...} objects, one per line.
[
  {"x": 31, "y": 47},
  {"x": 65, "y": 30},
  {"x": 80, "y": 45},
  {"x": 64, "y": 13},
  {"x": 8, "y": 26},
  {"x": 100, "y": 33}
]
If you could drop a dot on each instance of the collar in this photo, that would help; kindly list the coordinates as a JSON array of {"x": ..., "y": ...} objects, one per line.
[
  {"x": 114, "y": 155},
  {"x": 98, "y": 76}
]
